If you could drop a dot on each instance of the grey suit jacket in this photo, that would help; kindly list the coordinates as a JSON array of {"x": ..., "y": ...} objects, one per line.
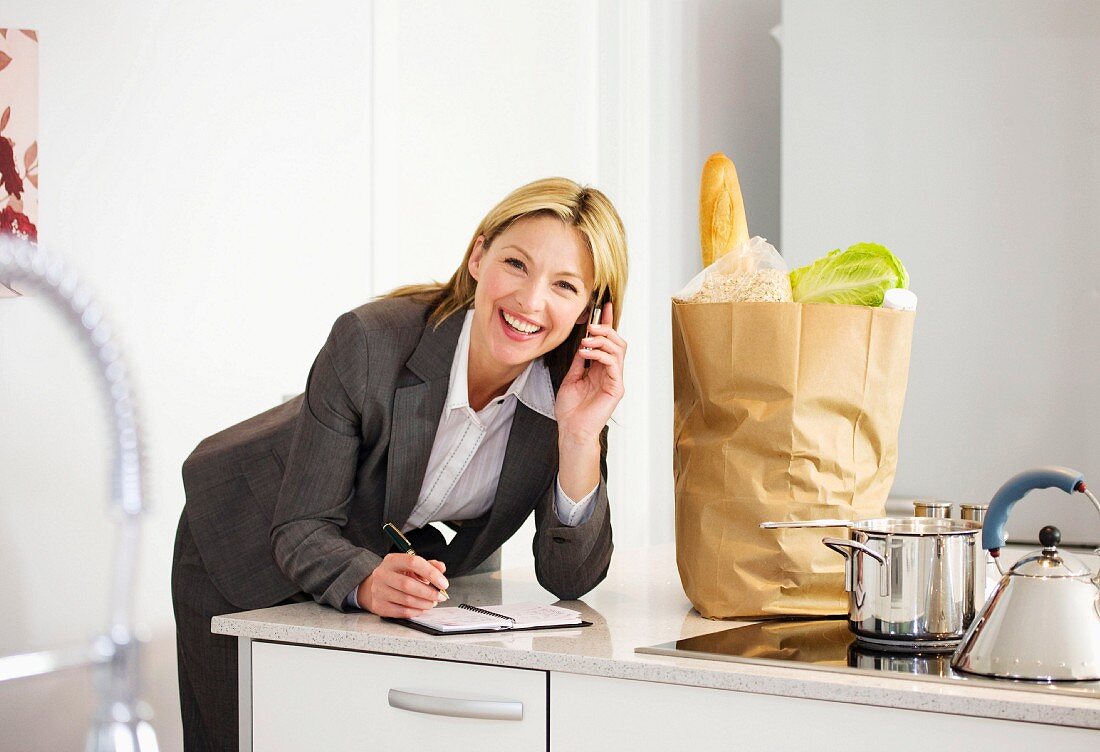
[{"x": 294, "y": 499}]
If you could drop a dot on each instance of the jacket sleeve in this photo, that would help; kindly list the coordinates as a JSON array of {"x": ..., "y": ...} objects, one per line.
[
  {"x": 570, "y": 561},
  {"x": 307, "y": 526}
]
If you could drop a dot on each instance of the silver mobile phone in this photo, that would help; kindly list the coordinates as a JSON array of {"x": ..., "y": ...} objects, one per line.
[{"x": 597, "y": 313}]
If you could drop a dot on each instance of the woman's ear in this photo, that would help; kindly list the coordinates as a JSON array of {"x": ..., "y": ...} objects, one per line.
[{"x": 476, "y": 256}]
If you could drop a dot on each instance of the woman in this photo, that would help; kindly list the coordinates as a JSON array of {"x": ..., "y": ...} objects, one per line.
[{"x": 473, "y": 403}]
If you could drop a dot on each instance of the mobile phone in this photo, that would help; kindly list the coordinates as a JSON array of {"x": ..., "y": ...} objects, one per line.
[{"x": 597, "y": 312}]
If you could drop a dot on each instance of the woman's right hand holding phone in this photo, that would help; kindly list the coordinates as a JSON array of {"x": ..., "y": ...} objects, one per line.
[{"x": 399, "y": 587}]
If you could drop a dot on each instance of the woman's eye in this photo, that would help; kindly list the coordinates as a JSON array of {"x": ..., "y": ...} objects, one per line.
[
  {"x": 567, "y": 286},
  {"x": 515, "y": 263}
]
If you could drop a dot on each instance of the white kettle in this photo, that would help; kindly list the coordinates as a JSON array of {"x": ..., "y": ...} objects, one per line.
[{"x": 1042, "y": 622}]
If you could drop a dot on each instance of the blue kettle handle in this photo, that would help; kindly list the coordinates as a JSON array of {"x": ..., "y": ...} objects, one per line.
[{"x": 1014, "y": 489}]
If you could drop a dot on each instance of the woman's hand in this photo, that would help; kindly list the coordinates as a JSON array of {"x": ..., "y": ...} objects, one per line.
[
  {"x": 588, "y": 397},
  {"x": 398, "y": 586}
]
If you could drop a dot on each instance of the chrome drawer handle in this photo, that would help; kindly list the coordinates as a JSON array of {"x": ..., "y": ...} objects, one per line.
[{"x": 490, "y": 710}]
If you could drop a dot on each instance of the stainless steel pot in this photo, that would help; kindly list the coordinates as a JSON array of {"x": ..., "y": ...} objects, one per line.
[{"x": 910, "y": 581}]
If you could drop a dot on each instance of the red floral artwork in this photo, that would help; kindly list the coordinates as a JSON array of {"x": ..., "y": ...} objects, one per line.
[
  {"x": 18, "y": 134},
  {"x": 17, "y": 224}
]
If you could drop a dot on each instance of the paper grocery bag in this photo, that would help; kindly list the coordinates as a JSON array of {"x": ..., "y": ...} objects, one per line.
[{"x": 783, "y": 411}]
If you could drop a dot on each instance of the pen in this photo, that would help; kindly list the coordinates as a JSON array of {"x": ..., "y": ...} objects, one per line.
[{"x": 403, "y": 543}]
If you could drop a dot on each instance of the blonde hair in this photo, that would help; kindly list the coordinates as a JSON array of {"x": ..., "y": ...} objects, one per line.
[{"x": 582, "y": 207}]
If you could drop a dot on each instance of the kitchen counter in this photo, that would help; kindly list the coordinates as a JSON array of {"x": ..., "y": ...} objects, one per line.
[{"x": 641, "y": 604}]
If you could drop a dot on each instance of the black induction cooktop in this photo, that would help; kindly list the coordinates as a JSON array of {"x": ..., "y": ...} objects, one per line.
[{"x": 828, "y": 645}]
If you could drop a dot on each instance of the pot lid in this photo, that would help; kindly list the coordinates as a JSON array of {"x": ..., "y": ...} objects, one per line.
[
  {"x": 1049, "y": 561},
  {"x": 917, "y": 526}
]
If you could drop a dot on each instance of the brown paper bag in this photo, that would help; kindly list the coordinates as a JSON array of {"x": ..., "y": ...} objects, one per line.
[{"x": 784, "y": 411}]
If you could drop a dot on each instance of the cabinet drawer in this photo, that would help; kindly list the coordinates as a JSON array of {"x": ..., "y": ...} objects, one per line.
[
  {"x": 597, "y": 714},
  {"x": 650, "y": 717},
  {"x": 314, "y": 698}
]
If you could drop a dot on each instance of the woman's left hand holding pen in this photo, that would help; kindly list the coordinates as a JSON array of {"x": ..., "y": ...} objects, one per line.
[{"x": 399, "y": 587}]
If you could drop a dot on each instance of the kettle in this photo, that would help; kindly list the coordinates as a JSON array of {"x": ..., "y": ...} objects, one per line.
[{"x": 1042, "y": 622}]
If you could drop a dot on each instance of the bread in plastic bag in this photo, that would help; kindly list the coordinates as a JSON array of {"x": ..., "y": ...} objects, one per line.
[{"x": 752, "y": 272}]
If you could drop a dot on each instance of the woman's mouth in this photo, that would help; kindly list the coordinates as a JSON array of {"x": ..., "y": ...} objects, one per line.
[{"x": 518, "y": 328}]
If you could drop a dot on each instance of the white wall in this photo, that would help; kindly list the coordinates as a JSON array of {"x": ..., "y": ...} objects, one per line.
[
  {"x": 966, "y": 137},
  {"x": 223, "y": 179},
  {"x": 207, "y": 166},
  {"x": 714, "y": 86}
]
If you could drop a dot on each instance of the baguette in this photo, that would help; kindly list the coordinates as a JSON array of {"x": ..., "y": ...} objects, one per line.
[{"x": 722, "y": 221}]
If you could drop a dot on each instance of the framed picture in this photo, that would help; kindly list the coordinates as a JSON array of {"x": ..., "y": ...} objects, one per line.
[{"x": 18, "y": 136}]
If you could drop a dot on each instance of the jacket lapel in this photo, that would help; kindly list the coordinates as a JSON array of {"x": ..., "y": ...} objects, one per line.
[
  {"x": 530, "y": 465},
  {"x": 417, "y": 404}
]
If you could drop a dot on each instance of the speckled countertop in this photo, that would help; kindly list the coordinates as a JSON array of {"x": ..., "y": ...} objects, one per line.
[{"x": 642, "y": 604}]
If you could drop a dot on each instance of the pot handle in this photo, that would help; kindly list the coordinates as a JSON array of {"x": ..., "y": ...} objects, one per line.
[
  {"x": 851, "y": 578},
  {"x": 805, "y": 523},
  {"x": 841, "y": 546},
  {"x": 1014, "y": 489}
]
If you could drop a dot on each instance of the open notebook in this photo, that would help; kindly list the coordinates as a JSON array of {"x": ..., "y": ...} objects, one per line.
[{"x": 464, "y": 619}]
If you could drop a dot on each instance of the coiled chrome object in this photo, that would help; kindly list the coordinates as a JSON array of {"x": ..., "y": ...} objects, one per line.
[{"x": 122, "y": 719}]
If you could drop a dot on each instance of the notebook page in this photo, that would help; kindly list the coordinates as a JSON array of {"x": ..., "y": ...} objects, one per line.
[
  {"x": 537, "y": 614},
  {"x": 459, "y": 620}
]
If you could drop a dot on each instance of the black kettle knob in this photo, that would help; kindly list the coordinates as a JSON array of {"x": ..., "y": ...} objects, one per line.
[{"x": 1050, "y": 536}]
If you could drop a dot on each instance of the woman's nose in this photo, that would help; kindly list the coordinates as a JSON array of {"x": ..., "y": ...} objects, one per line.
[{"x": 531, "y": 297}]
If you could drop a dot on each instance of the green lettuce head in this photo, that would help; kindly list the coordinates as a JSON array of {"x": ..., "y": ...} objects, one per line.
[{"x": 860, "y": 275}]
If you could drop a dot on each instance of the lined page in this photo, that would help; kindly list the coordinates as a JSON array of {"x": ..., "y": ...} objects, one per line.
[
  {"x": 526, "y": 615},
  {"x": 451, "y": 619},
  {"x": 536, "y": 614}
]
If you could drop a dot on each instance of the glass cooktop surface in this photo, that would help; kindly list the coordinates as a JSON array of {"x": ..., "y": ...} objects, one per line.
[{"x": 828, "y": 645}]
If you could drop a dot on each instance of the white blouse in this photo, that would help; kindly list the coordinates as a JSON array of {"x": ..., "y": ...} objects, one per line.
[{"x": 468, "y": 452}]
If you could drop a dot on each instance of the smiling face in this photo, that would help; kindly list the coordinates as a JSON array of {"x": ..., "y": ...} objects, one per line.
[{"x": 534, "y": 284}]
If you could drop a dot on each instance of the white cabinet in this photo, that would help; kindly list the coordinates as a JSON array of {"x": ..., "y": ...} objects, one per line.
[
  {"x": 600, "y": 714},
  {"x": 318, "y": 698},
  {"x": 305, "y": 698}
]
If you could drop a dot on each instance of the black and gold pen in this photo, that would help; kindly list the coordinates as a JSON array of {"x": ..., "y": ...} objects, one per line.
[{"x": 403, "y": 543}]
